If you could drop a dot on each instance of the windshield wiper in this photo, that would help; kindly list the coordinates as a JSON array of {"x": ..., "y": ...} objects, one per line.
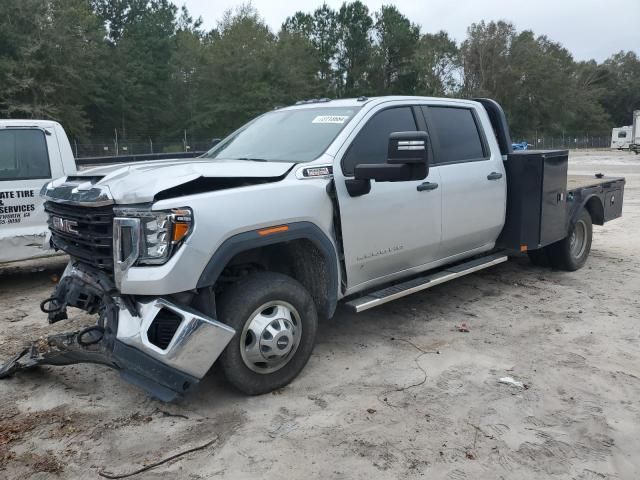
[{"x": 252, "y": 159}]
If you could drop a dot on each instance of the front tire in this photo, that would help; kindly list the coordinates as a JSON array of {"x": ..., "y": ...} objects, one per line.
[
  {"x": 275, "y": 320},
  {"x": 571, "y": 253}
]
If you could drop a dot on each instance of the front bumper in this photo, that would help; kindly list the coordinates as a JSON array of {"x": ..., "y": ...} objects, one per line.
[{"x": 124, "y": 336}]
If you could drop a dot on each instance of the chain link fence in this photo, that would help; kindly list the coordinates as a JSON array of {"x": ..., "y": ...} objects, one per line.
[
  {"x": 543, "y": 142},
  {"x": 136, "y": 147},
  {"x": 141, "y": 147}
]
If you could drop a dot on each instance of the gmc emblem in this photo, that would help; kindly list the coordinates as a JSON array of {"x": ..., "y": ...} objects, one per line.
[{"x": 64, "y": 225}]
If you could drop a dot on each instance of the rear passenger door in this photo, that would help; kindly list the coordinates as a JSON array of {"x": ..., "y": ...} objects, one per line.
[{"x": 473, "y": 180}]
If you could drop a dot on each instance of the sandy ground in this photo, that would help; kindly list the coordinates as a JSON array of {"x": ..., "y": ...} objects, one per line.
[{"x": 395, "y": 392}]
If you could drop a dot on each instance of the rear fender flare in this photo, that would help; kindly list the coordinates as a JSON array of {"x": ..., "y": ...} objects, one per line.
[{"x": 593, "y": 204}]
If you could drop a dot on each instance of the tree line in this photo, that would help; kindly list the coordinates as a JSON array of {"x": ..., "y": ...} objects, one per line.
[{"x": 147, "y": 69}]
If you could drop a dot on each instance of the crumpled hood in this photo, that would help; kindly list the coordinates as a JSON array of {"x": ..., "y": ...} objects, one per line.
[{"x": 141, "y": 182}]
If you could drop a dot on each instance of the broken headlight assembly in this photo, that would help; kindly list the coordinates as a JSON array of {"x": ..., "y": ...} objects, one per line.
[{"x": 153, "y": 234}]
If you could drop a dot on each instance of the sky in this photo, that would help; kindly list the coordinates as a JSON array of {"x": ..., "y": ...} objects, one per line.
[{"x": 589, "y": 29}]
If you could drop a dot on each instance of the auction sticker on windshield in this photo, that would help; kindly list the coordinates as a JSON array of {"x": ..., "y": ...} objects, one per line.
[{"x": 330, "y": 119}]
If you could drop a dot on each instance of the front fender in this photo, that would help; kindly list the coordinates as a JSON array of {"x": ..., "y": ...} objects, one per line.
[{"x": 252, "y": 239}]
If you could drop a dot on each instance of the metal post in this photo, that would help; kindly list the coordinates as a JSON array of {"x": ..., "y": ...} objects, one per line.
[
  {"x": 150, "y": 145},
  {"x": 75, "y": 143},
  {"x": 116, "y": 132},
  {"x": 185, "y": 140}
]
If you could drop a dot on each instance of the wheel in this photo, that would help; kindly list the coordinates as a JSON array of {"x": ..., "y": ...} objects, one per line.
[
  {"x": 572, "y": 252},
  {"x": 538, "y": 257},
  {"x": 275, "y": 320}
]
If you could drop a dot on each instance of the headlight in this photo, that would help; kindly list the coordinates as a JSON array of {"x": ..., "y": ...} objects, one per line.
[{"x": 160, "y": 232}]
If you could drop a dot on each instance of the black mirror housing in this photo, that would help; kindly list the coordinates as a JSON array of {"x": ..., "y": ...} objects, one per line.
[
  {"x": 408, "y": 148},
  {"x": 407, "y": 160}
]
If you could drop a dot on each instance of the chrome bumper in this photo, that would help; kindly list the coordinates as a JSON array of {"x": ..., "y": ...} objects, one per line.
[{"x": 196, "y": 344}]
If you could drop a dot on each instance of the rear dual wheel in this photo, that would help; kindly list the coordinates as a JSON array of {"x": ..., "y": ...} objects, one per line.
[{"x": 571, "y": 252}]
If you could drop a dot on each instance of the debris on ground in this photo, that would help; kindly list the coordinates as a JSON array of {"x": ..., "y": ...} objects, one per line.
[
  {"x": 463, "y": 327},
  {"x": 110, "y": 475},
  {"x": 511, "y": 381},
  {"x": 46, "y": 463}
]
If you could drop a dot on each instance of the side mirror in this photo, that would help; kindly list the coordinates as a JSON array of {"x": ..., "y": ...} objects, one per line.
[
  {"x": 407, "y": 159},
  {"x": 215, "y": 141},
  {"x": 408, "y": 148}
]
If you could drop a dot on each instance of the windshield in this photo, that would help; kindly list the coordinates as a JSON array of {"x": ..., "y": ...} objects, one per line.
[{"x": 299, "y": 135}]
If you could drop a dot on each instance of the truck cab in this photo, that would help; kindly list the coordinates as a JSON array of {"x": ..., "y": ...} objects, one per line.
[
  {"x": 455, "y": 210},
  {"x": 32, "y": 152},
  {"x": 234, "y": 256}
]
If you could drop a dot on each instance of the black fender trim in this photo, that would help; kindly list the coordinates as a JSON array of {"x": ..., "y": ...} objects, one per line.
[
  {"x": 252, "y": 239},
  {"x": 573, "y": 215}
]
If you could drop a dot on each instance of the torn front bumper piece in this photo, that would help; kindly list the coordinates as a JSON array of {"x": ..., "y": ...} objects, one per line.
[{"x": 157, "y": 345}]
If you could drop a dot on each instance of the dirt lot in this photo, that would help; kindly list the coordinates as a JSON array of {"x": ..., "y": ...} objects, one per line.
[{"x": 395, "y": 392}]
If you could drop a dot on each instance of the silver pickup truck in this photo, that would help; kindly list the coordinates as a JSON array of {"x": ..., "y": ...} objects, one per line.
[{"x": 234, "y": 256}]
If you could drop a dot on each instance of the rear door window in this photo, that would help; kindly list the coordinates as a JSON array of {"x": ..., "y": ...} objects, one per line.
[
  {"x": 457, "y": 134},
  {"x": 23, "y": 154}
]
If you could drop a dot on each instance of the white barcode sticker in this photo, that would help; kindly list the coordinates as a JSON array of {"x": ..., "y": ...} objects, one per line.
[{"x": 330, "y": 119}]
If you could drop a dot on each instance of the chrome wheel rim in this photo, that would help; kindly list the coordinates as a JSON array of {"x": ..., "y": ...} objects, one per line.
[
  {"x": 578, "y": 239},
  {"x": 270, "y": 337}
]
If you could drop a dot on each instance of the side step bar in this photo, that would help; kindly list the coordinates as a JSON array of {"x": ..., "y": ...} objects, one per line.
[{"x": 400, "y": 290}]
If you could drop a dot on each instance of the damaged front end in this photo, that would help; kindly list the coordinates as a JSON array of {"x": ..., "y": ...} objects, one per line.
[{"x": 156, "y": 344}]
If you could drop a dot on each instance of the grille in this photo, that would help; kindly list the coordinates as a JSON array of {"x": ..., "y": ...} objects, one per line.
[{"x": 85, "y": 233}]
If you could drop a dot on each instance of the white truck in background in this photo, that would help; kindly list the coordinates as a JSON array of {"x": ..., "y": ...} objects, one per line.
[
  {"x": 621, "y": 137},
  {"x": 32, "y": 152}
]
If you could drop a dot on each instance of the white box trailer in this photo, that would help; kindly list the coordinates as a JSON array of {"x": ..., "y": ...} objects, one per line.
[
  {"x": 635, "y": 133},
  {"x": 32, "y": 152},
  {"x": 621, "y": 137}
]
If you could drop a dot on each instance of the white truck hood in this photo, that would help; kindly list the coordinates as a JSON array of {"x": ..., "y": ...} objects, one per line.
[{"x": 141, "y": 182}]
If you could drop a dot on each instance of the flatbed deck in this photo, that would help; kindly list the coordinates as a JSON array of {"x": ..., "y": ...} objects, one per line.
[{"x": 575, "y": 182}]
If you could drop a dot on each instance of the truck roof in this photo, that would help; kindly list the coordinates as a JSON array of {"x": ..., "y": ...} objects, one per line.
[
  {"x": 358, "y": 102},
  {"x": 27, "y": 123}
]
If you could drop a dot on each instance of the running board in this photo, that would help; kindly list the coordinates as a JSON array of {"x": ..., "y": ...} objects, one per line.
[{"x": 400, "y": 290}]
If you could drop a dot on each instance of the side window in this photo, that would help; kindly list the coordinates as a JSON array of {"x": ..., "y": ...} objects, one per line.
[
  {"x": 622, "y": 134},
  {"x": 457, "y": 134},
  {"x": 371, "y": 143},
  {"x": 23, "y": 155}
]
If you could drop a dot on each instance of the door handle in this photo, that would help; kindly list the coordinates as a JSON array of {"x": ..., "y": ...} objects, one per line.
[
  {"x": 427, "y": 186},
  {"x": 494, "y": 176}
]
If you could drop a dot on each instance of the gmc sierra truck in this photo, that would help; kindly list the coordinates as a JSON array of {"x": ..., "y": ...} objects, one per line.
[{"x": 234, "y": 256}]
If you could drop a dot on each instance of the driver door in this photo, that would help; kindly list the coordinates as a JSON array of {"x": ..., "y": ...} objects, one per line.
[{"x": 396, "y": 227}]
